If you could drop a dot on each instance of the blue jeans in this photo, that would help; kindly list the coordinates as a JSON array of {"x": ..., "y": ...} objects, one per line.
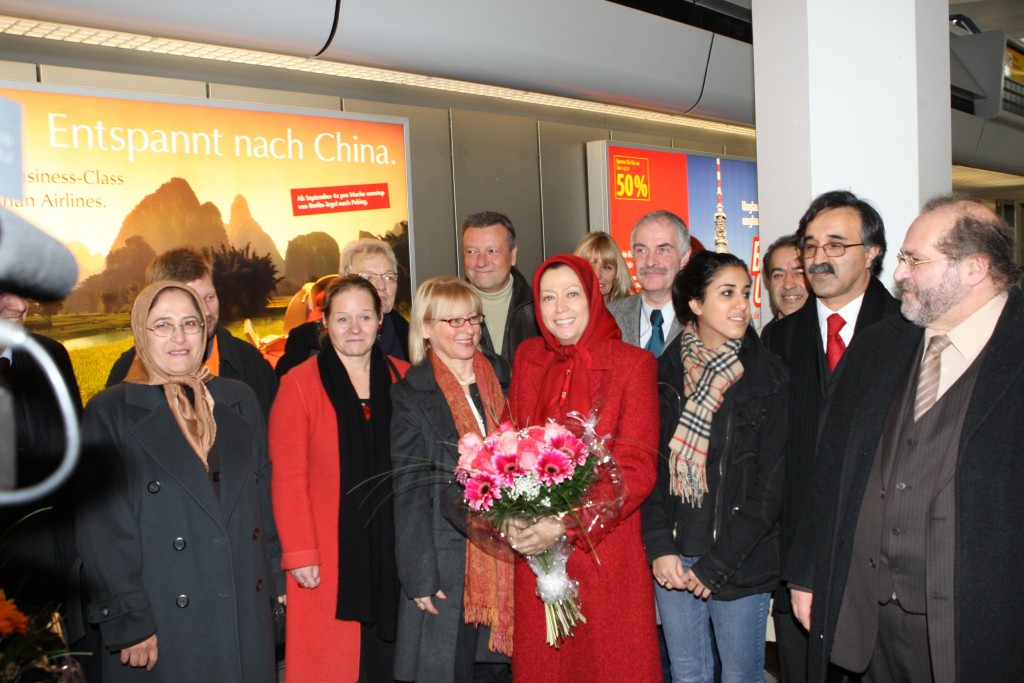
[{"x": 697, "y": 632}]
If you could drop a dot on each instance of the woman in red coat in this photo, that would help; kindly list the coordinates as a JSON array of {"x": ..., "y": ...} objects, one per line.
[
  {"x": 330, "y": 448},
  {"x": 579, "y": 364}
]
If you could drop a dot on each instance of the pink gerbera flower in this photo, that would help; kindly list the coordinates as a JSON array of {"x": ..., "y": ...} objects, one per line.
[
  {"x": 481, "y": 491},
  {"x": 567, "y": 444},
  {"x": 508, "y": 468},
  {"x": 553, "y": 467}
]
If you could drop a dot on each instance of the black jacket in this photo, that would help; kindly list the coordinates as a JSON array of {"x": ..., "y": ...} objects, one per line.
[
  {"x": 37, "y": 553},
  {"x": 430, "y": 547},
  {"x": 988, "y": 602},
  {"x": 736, "y": 531},
  {"x": 520, "y": 324},
  {"x": 238, "y": 360}
]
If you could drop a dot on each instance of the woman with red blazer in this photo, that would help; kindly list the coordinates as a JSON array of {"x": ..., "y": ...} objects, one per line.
[{"x": 331, "y": 454}]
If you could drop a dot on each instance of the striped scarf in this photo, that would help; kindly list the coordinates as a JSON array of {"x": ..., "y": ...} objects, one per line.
[{"x": 706, "y": 376}]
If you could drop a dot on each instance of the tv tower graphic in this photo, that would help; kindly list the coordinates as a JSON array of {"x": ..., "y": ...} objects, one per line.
[{"x": 721, "y": 238}]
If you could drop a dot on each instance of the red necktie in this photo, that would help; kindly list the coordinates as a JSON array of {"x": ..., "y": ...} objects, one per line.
[{"x": 834, "y": 344}]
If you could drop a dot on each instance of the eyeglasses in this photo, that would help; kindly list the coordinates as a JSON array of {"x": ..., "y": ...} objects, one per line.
[
  {"x": 389, "y": 277},
  {"x": 910, "y": 262},
  {"x": 832, "y": 249},
  {"x": 166, "y": 329},
  {"x": 459, "y": 322}
]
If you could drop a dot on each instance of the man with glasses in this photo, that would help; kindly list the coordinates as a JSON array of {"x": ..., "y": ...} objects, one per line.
[
  {"x": 489, "y": 258},
  {"x": 842, "y": 243},
  {"x": 660, "y": 243},
  {"x": 375, "y": 261},
  {"x": 913, "y": 572},
  {"x": 226, "y": 355}
]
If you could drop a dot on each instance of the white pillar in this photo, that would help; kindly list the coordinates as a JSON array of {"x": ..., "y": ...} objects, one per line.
[{"x": 854, "y": 96}]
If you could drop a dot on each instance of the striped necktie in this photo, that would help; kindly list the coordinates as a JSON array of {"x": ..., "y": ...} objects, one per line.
[{"x": 928, "y": 379}]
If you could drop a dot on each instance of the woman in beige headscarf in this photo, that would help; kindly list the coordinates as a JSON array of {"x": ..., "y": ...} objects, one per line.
[{"x": 178, "y": 541}]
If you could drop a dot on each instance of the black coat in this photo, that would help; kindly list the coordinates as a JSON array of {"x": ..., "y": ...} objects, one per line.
[
  {"x": 238, "y": 360},
  {"x": 797, "y": 340},
  {"x": 430, "y": 550},
  {"x": 989, "y": 487},
  {"x": 162, "y": 553},
  {"x": 520, "y": 324},
  {"x": 38, "y": 554},
  {"x": 736, "y": 530}
]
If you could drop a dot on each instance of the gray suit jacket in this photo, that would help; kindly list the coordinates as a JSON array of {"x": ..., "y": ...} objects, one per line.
[{"x": 627, "y": 314}]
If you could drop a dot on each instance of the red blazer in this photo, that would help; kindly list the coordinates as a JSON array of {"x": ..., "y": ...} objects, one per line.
[
  {"x": 619, "y": 641},
  {"x": 306, "y": 485}
]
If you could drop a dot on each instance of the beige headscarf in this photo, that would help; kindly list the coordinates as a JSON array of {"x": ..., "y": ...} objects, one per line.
[{"x": 196, "y": 422}]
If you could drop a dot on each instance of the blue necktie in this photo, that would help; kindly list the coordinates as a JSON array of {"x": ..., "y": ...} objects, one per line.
[{"x": 657, "y": 340}]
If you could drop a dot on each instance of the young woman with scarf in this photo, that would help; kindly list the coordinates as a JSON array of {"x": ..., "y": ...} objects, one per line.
[
  {"x": 174, "y": 524},
  {"x": 579, "y": 364},
  {"x": 457, "y": 619},
  {"x": 711, "y": 525},
  {"x": 330, "y": 442}
]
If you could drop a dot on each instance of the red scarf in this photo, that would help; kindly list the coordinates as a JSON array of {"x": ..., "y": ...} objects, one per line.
[{"x": 566, "y": 385}]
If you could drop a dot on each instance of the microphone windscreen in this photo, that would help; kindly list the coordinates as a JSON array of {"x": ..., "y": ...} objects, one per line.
[{"x": 33, "y": 264}]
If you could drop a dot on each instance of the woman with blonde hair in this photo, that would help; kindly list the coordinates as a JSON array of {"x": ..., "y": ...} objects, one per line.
[
  {"x": 601, "y": 251},
  {"x": 457, "y": 615}
]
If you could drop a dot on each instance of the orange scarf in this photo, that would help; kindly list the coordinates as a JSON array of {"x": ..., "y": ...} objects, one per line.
[
  {"x": 195, "y": 421},
  {"x": 487, "y": 596}
]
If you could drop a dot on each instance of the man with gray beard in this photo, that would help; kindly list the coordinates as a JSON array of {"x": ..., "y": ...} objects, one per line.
[
  {"x": 842, "y": 242},
  {"x": 912, "y": 573},
  {"x": 661, "y": 247}
]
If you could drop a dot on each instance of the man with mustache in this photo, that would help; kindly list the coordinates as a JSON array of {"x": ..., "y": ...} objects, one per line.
[
  {"x": 661, "y": 247},
  {"x": 842, "y": 243},
  {"x": 916, "y": 516}
]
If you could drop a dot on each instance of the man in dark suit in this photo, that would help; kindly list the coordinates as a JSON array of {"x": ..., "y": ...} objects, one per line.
[
  {"x": 916, "y": 519},
  {"x": 38, "y": 566},
  {"x": 661, "y": 247},
  {"x": 226, "y": 355},
  {"x": 842, "y": 242}
]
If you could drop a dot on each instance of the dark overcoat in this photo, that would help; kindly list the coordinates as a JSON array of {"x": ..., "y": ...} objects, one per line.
[
  {"x": 988, "y": 603},
  {"x": 430, "y": 550},
  {"x": 797, "y": 341},
  {"x": 162, "y": 553}
]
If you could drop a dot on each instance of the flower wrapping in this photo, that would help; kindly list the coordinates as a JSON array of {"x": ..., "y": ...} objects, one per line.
[{"x": 549, "y": 470}]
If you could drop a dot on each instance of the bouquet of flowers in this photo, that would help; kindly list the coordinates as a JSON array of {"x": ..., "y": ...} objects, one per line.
[{"x": 540, "y": 471}]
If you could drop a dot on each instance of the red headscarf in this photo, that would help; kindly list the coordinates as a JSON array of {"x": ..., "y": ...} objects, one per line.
[{"x": 566, "y": 386}]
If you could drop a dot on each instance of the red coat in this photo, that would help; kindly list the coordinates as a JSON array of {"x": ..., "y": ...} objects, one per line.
[
  {"x": 305, "y": 484},
  {"x": 619, "y": 641}
]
